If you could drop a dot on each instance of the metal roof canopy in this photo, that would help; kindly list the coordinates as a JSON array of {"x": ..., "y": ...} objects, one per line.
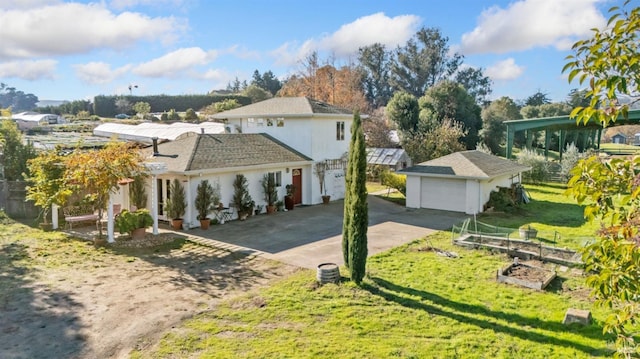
[{"x": 562, "y": 124}]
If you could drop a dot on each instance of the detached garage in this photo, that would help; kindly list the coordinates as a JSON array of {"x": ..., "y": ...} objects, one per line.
[{"x": 459, "y": 182}]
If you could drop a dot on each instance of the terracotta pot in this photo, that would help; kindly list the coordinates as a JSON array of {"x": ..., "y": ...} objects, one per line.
[
  {"x": 204, "y": 223},
  {"x": 326, "y": 199},
  {"x": 176, "y": 224},
  {"x": 138, "y": 233},
  {"x": 288, "y": 203},
  {"x": 271, "y": 209}
]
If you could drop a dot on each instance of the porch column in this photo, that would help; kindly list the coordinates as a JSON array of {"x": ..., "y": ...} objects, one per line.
[
  {"x": 154, "y": 202},
  {"x": 110, "y": 234},
  {"x": 155, "y": 168},
  {"x": 54, "y": 216}
]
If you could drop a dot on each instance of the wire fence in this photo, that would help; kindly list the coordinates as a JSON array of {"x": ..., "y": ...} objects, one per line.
[{"x": 479, "y": 229}]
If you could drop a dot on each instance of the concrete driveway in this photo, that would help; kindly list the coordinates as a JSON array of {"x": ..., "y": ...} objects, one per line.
[{"x": 311, "y": 235}]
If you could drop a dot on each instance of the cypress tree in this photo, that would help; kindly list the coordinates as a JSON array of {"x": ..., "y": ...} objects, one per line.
[{"x": 356, "y": 212}]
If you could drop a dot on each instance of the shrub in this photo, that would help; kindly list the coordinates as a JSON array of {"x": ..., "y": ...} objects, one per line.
[
  {"x": 540, "y": 167},
  {"x": 570, "y": 158},
  {"x": 127, "y": 221},
  {"x": 393, "y": 180}
]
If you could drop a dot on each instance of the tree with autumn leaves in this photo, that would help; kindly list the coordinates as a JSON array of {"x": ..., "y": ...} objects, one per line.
[
  {"x": 94, "y": 173},
  {"x": 610, "y": 189}
]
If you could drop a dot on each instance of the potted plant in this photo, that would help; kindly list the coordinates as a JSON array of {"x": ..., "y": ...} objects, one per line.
[
  {"x": 241, "y": 197},
  {"x": 259, "y": 207},
  {"x": 207, "y": 199},
  {"x": 134, "y": 223},
  {"x": 528, "y": 232},
  {"x": 138, "y": 192},
  {"x": 280, "y": 206},
  {"x": 176, "y": 204},
  {"x": 289, "y": 201},
  {"x": 270, "y": 192}
]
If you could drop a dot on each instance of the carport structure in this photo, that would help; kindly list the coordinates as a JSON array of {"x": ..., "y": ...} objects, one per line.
[{"x": 592, "y": 130}]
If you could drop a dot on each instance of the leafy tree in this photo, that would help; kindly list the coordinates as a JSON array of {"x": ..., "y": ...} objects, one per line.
[
  {"x": 403, "y": 109},
  {"x": 325, "y": 82},
  {"x": 142, "y": 108},
  {"x": 394, "y": 180},
  {"x": 436, "y": 142},
  {"x": 191, "y": 115},
  {"x": 422, "y": 62},
  {"x": 18, "y": 101},
  {"x": 377, "y": 130},
  {"x": 608, "y": 63},
  {"x": 578, "y": 98},
  {"x": 267, "y": 81},
  {"x": 537, "y": 99},
  {"x": 449, "y": 100},
  {"x": 236, "y": 85},
  {"x": 475, "y": 82},
  {"x": 15, "y": 153},
  {"x": 375, "y": 64},
  {"x": 46, "y": 181},
  {"x": 256, "y": 93},
  {"x": 493, "y": 127},
  {"x": 540, "y": 167},
  {"x": 356, "y": 212},
  {"x": 97, "y": 172},
  {"x": 123, "y": 105}
]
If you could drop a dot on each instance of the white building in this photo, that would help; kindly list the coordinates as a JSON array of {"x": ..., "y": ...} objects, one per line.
[{"x": 29, "y": 120}]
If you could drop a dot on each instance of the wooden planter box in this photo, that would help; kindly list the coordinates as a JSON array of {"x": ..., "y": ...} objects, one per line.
[{"x": 546, "y": 276}]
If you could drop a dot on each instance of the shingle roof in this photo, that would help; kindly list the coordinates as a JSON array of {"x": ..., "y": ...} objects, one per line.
[
  {"x": 211, "y": 151},
  {"x": 468, "y": 164},
  {"x": 384, "y": 156},
  {"x": 284, "y": 107}
]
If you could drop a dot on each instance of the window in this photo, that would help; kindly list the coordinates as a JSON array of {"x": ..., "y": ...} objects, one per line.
[
  {"x": 277, "y": 177},
  {"x": 261, "y": 122},
  {"x": 280, "y": 122},
  {"x": 251, "y": 122},
  {"x": 340, "y": 130},
  {"x": 270, "y": 122}
]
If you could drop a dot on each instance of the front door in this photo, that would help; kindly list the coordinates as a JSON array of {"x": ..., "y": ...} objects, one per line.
[{"x": 296, "y": 180}]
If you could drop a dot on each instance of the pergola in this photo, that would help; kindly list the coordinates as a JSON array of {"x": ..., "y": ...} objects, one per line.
[{"x": 562, "y": 124}]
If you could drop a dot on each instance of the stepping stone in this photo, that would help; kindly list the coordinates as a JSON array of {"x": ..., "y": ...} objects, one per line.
[{"x": 577, "y": 316}]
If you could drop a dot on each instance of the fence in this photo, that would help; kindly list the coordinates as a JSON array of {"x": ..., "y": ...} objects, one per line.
[{"x": 13, "y": 202}]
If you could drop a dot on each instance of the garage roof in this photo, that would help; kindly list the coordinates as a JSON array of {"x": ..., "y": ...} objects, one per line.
[{"x": 466, "y": 164}]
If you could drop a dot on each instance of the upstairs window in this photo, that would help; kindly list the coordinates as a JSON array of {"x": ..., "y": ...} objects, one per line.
[{"x": 340, "y": 130}]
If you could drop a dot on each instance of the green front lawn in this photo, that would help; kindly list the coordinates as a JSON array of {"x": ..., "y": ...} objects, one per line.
[{"x": 413, "y": 304}]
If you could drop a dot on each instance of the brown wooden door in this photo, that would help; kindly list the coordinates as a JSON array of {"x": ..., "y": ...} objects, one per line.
[{"x": 296, "y": 180}]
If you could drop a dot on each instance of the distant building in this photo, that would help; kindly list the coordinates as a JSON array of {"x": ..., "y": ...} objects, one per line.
[
  {"x": 619, "y": 138},
  {"x": 29, "y": 120},
  {"x": 393, "y": 159}
]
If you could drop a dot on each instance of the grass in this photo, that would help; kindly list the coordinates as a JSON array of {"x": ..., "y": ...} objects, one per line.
[
  {"x": 412, "y": 304},
  {"x": 549, "y": 211},
  {"x": 391, "y": 196}
]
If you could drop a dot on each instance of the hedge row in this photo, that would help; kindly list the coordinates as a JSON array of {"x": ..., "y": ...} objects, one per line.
[{"x": 105, "y": 106}]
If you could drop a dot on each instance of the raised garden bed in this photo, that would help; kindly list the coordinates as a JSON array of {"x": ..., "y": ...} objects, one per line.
[
  {"x": 525, "y": 275},
  {"x": 523, "y": 249}
]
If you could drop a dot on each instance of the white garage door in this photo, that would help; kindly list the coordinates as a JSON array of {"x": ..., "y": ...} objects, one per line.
[{"x": 445, "y": 194}]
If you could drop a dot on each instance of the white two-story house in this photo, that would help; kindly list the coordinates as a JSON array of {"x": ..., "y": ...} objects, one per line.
[{"x": 285, "y": 137}]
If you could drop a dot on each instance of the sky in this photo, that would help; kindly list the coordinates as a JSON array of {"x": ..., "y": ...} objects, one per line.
[{"x": 75, "y": 50}]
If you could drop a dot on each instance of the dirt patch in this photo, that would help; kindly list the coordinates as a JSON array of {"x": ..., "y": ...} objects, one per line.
[
  {"x": 530, "y": 274},
  {"x": 117, "y": 299}
]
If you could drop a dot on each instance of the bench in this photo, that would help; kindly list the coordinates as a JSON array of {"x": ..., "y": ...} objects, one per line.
[{"x": 79, "y": 214}]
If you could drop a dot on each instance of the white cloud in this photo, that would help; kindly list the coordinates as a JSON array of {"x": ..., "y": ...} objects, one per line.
[
  {"x": 28, "y": 69},
  {"x": 99, "y": 72},
  {"x": 72, "y": 28},
  {"x": 367, "y": 30},
  {"x": 532, "y": 23},
  {"x": 173, "y": 63},
  {"x": 122, "y": 4},
  {"x": 504, "y": 70},
  {"x": 26, "y": 4}
]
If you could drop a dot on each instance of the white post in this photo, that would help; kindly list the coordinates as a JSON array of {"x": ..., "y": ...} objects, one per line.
[
  {"x": 110, "y": 235},
  {"x": 188, "y": 222},
  {"x": 54, "y": 216},
  {"x": 154, "y": 203}
]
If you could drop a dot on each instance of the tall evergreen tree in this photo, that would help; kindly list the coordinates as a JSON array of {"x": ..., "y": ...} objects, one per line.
[{"x": 356, "y": 211}]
